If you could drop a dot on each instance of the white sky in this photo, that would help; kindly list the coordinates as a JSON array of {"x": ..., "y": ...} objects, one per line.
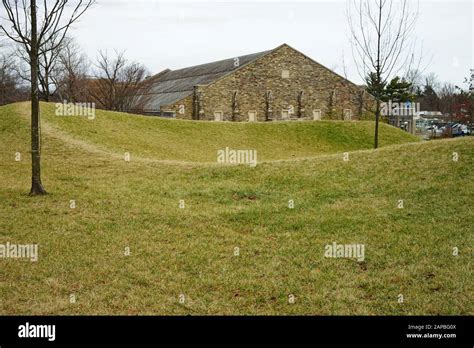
[{"x": 176, "y": 34}]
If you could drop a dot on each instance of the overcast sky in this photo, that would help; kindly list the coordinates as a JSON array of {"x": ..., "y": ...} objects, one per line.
[{"x": 176, "y": 34}]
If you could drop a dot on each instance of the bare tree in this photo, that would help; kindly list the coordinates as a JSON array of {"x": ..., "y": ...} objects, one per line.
[
  {"x": 429, "y": 98},
  {"x": 432, "y": 81},
  {"x": 117, "y": 82},
  {"x": 48, "y": 60},
  {"x": 414, "y": 70},
  {"x": 447, "y": 98},
  {"x": 358, "y": 94},
  {"x": 11, "y": 89},
  {"x": 22, "y": 27},
  {"x": 381, "y": 42},
  {"x": 72, "y": 71},
  {"x": 47, "y": 67},
  {"x": 415, "y": 78}
]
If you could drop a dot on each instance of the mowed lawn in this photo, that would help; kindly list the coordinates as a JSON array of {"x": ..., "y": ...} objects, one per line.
[
  {"x": 190, "y": 253},
  {"x": 198, "y": 141}
]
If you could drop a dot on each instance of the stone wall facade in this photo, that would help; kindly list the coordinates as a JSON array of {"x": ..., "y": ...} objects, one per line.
[{"x": 284, "y": 84}]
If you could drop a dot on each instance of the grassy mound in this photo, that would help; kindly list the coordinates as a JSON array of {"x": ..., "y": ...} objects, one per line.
[{"x": 198, "y": 141}]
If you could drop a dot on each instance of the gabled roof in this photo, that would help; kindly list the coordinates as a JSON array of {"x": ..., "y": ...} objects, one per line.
[{"x": 170, "y": 86}]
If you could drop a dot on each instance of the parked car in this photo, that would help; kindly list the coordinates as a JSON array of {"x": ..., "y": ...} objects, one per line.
[
  {"x": 434, "y": 131},
  {"x": 460, "y": 129},
  {"x": 465, "y": 130}
]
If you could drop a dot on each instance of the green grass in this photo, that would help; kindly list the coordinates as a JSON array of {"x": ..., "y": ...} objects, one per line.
[
  {"x": 191, "y": 251},
  {"x": 198, "y": 141}
]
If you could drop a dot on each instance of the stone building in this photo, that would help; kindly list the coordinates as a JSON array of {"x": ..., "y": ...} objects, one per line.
[{"x": 278, "y": 84}]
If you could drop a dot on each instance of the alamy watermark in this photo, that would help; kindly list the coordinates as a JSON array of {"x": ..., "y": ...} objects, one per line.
[
  {"x": 231, "y": 156},
  {"x": 350, "y": 251},
  {"x": 76, "y": 109},
  {"x": 399, "y": 108},
  {"x": 37, "y": 331},
  {"x": 16, "y": 251}
]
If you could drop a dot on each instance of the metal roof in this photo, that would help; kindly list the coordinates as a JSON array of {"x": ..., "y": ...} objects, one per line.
[{"x": 171, "y": 86}]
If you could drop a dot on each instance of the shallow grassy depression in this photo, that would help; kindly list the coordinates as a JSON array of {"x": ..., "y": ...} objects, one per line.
[{"x": 236, "y": 247}]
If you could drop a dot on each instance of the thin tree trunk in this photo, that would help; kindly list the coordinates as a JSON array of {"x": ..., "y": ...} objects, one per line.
[
  {"x": 36, "y": 185},
  {"x": 379, "y": 77},
  {"x": 377, "y": 117}
]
